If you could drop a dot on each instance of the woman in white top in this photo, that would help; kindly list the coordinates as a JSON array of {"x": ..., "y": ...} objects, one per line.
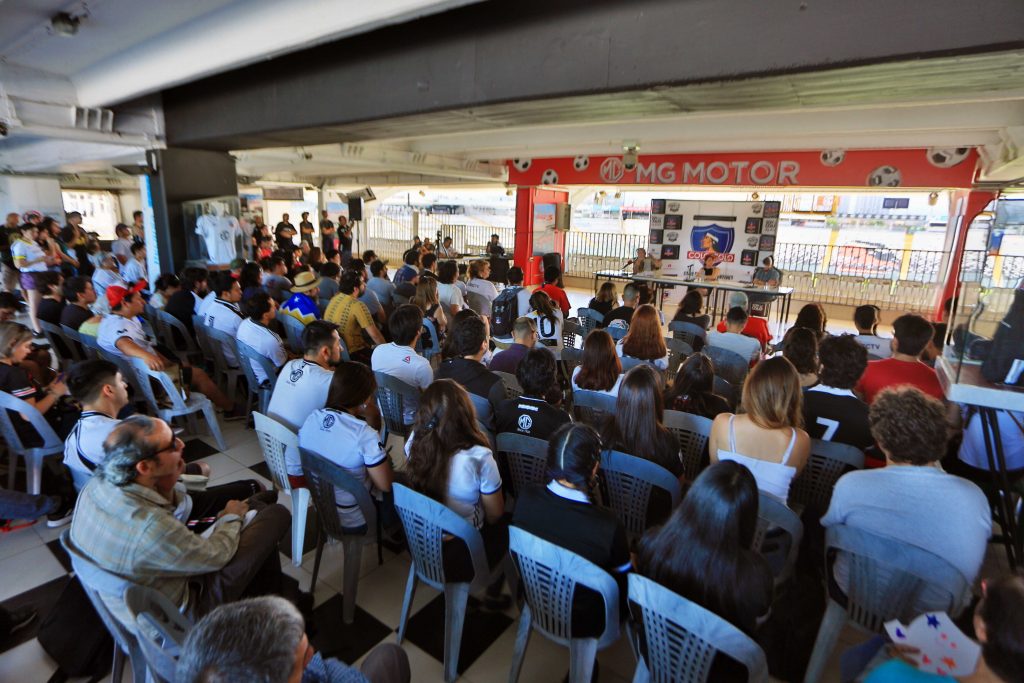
[
  {"x": 548, "y": 318},
  {"x": 450, "y": 460},
  {"x": 448, "y": 294},
  {"x": 480, "y": 286},
  {"x": 600, "y": 368},
  {"x": 29, "y": 258},
  {"x": 644, "y": 341},
  {"x": 767, "y": 438}
]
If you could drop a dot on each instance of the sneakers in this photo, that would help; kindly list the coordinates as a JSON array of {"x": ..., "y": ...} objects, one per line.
[{"x": 61, "y": 515}]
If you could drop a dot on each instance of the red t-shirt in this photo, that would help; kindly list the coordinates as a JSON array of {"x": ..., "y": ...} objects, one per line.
[
  {"x": 890, "y": 372},
  {"x": 756, "y": 328},
  {"x": 557, "y": 295}
]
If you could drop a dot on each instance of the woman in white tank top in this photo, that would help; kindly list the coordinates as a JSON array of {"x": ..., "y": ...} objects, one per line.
[{"x": 766, "y": 437}]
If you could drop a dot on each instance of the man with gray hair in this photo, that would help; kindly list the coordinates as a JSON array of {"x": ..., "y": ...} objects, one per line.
[
  {"x": 264, "y": 639},
  {"x": 124, "y": 522},
  {"x": 623, "y": 315},
  {"x": 755, "y": 327}
]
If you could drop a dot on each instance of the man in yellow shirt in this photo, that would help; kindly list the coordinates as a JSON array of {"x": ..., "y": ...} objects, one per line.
[{"x": 353, "y": 317}]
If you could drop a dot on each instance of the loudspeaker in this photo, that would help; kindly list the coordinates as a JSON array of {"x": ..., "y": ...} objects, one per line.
[
  {"x": 553, "y": 259},
  {"x": 355, "y": 208}
]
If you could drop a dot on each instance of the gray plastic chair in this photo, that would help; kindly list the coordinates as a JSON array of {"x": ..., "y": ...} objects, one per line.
[
  {"x": 478, "y": 303},
  {"x": 773, "y": 516},
  {"x": 589, "y": 319},
  {"x": 275, "y": 440},
  {"x": 75, "y": 336},
  {"x": 628, "y": 363},
  {"x": 484, "y": 411},
  {"x": 629, "y": 481},
  {"x": 730, "y": 365},
  {"x": 197, "y": 403},
  {"x": 106, "y": 593},
  {"x": 888, "y": 579},
  {"x": 512, "y": 387},
  {"x": 293, "y": 330},
  {"x": 89, "y": 342},
  {"x": 679, "y": 639},
  {"x": 199, "y": 325},
  {"x": 829, "y": 460},
  {"x": 128, "y": 373},
  {"x": 426, "y": 522},
  {"x": 616, "y": 332},
  {"x": 247, "y": 357},
  {"x": 435, "y": 340},
  {"x": 324, "y": 478},
  {"x": 52, "y": 444},
  {"x": 526, "y": 457},
  {"x": 218, "y": 341},
  {"x": 726, "y": 390},
  {"x": 549, "y": 576},
  {"x": 177, "y": 337},
  {"x": 160, "y": 630},
  {"x": 393, "y": 397},
  {"x": 67, "y": 352},
  {"x": 571, "y": 329},
  {"x": 692, "y": 432},
  {"x": 678, "y": 351},
  {"x": 593, "y": 407},
  {"x": 688, "y": 332},
  {"x": 571, "y": 358}
]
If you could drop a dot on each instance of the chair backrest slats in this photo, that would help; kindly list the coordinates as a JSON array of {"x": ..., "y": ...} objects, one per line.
[
  {"x": 829, "y": 460},
  {"x": 692, "y": 432},
  {"x": 526, "y": 457},
  {"x": 324, "y": 478},
  {"x": 593, "y": 407},
  {"x": 274, "y": 439},
  {"x": 394, "y": 397},
  {"x": 630, "y": 481}
]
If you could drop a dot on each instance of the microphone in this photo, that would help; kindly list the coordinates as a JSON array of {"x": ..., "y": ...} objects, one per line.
[{"x": 628, "y": 264}]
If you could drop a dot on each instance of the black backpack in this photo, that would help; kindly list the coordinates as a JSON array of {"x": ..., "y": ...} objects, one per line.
[
  {"x": 75, "y": 636},
  {"x": 504, "y": 311},
  {"x": 1007, "y": 343}
]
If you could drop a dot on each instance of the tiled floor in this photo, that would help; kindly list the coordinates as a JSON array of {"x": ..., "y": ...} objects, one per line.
[{"x": 32, "y": 572}]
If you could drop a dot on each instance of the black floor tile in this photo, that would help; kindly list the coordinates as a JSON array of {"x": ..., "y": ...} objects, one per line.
[
  {"x": 263, "y": 470},
  {"x": 58, "y": 551},
  {"x": 347, "y": 642},
  {"x": 197, "y": 449},
  {"x": 481, "y": 629},
  {"x": 42, "y": 598}
]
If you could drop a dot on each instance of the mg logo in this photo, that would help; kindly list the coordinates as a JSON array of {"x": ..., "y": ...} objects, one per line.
[
  {"x": 612, "y": 170},
  {"x": 525, "y": 422}
]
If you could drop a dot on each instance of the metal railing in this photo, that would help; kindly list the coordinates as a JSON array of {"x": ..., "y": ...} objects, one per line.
[{"x": 391, "y": 235}]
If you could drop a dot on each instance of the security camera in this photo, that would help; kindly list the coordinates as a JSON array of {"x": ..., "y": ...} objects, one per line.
[{"x": 629, "y": 158}]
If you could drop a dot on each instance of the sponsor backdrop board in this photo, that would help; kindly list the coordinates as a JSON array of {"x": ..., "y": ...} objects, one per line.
[{"x": 737, "y": 234}]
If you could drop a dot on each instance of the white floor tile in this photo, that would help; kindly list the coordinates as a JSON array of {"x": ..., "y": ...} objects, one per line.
[
  {"x": 28, "y": 569},
  {"x": 21, "y": 540},
  {"x": 425, "y": 669},
  {"x": 248, "y": 454},
  {"x": 221, "y": 465},
  {"x": 381, "y": 592},
  {"x": 27, "y": 662}
]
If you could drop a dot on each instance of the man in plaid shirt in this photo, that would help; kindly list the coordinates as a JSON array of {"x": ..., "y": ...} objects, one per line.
[{"x": 124, "y": 522}]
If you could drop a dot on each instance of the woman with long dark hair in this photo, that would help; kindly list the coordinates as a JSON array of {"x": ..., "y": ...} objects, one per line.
[
  {"x": 585, "y": 528},
  {"x": 250, "y": 278},
  {"x": 689, "y": 311},
  {"x": 703, "y": 553},
  {"x": 637, "y": 426},
  {"x": 768, "y": 437},
  {"x": 600, "y": 369},
  {"x": 692, "y": 391},
  {"x": 812, "y": 316},
  {"x": 548, "y": 317},
  {"x": 644, "y": 339},
  {"x": 800, "y": 347},
  {"x": 450, "y": 460}
]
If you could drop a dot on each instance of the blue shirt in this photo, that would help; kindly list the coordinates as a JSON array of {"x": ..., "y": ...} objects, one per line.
[
  {"x": 383, "y": 288},
  {"x": 896, "y": 671},
  {"x": 320, "y": 670},
  {"x": 405, "y": 274}
]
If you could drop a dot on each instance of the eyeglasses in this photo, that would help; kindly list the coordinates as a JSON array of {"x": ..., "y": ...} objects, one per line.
[{"x": 175, "y": 445}]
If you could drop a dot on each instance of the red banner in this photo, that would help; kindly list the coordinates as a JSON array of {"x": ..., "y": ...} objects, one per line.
[{"x": 877, "y": 168}]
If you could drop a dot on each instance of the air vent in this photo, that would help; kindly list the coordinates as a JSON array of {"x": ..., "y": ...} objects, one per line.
[{"x": 94, "y": 119}]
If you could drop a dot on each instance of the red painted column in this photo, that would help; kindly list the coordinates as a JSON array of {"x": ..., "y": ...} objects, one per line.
[
  {"x": 526, "y": 199},
  {"x": 970, "y": 205}
]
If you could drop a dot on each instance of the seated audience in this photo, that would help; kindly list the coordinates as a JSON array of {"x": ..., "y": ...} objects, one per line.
[
  {"x": 167, "y": 285},
  {"x": 646, "y": 296},
  {"x": 899, "y": 500},
  {"x": 531, "y": 414},
  {"x": 373, "y": 304},
  {"x": 428, "y": 266},
  {"x": 380, "y": 285},
  {"x": 264, "y": 639},
  {"x": 121, "y": 334},
  {"x": 448, "y": 293},
  {"x": 600, "y": 368},
  {"x": 524, "y": 337},
  {"x": 124, "y": 522},
  {"x": 692, "y": 391},
  {"x": 812, "y": 316},
  {"x": 607, "y": 299},
  {"x": 121, "y": 247},
  {"x": 911, "y": 335},
  {"x": 275, "y": 279},
  {"x": 103, "y": 393},
  {"x": 515, "y": 281},
  {"x": 50, "y": 285},
  {"x": 548, "y": 319},
  {"x": 448, "y": 349},
  {"x": 584, "y": 527},
  {"x": 800, "y": 347},
  {"x": 353, "y": 318},
  {"x": 479, "y": 285},
  {"x": 399, "y": 359},
  {"x": 733, "y": 338},
  {"x": 428, "y": 304},
  {"x": 450, "y": 460},
  {"x": 250, "y": 279},
  {"x": 223, "y": 314},
  {"x": 644, "y": 340},
  {"x": 865, "y": 319},
  {"x": 704, "y": 553},
  {"x": 637, "y": 427},
  {"x": 184, "y": 303},
  {"x": 756, "y": 327},
  {"x": 351, "y": 417},
  {"x": 255, "y": 331},
  {"x": 330, "y": 273},
  {"x": 766, "y": 438},
  {"x": 135, "y": 268},
  {"x": 551, "y": 288},
  {"x": 689, "y": 311},
  {"x": 106, "y": 275},
  {"x": 469, "y": 340},
  {"x": 832, "y": 412},
  {"x": 79, "y": 295},
  {"x": 302, "y": 304},
  {"x": 410, "y": 270}
]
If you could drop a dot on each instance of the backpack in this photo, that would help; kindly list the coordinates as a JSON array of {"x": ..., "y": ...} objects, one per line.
[
  {"x": 1007, "y": 343},
  {"x": 504, "y": 311},
  {"x": 75, "y": 637}
]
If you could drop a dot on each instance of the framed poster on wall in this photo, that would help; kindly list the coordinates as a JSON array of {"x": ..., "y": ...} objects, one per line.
[{"x": 543, "y": 229}]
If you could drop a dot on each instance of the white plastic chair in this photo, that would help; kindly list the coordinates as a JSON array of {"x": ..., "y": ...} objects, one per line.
[
  {"x": 160, "y": 629},
  {"x": 247, "y": 358},
  {"x": 549, "y": 576},
  {"x": 829, "y": 460},
  {"x": 679, "y": 639},
  {"x": 197, "y": 403},
  {"x": 274, "y": 439},
  {"x": 52, "y": 445}
]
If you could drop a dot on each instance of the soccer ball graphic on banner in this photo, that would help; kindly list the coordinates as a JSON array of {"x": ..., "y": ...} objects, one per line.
[
  {"x": 885, "y": 176},
  {"x": 549, "y": 177},
  {"x": 949, "y": 157},
  {"x": 521, "y": 164},
  {"x": 833, "y": 157},
  {"x": 581, "y": 163}
]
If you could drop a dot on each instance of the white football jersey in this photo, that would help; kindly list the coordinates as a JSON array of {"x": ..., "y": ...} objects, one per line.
[{"x": 220, "y": 234}]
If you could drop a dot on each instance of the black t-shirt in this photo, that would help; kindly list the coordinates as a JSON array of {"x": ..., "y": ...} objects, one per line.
[
  {"x": 624, "y": 313},
  {"x": 73, "y": 316},
  {"x": 283, "y": 242},
  {"x": 182, "y": 305},
  {"x": 602, "y": 307},
  {"x": 346, "y": 240},
  {"x": 530, "y": 417},
  {"x": 474, "y": 378},
  {"x": 49, "y": 311},
  {"x": 836, "y": 417},
  {"x": 15, "y": 381},
  {"x": 588, "y": 530}
]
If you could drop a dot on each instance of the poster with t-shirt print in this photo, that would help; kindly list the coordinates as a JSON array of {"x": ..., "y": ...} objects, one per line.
[{"x": 215, "y": 235}]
